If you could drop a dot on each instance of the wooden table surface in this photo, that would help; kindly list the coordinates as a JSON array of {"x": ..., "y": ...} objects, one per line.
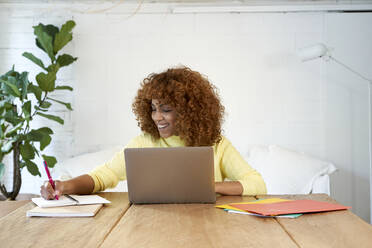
[{"x": 181, "y": 225}]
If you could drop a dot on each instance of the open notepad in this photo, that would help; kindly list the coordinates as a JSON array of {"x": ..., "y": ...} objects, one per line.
[
  {"x": 67, "y": 201},
  {"x": 68, "y": 206}
]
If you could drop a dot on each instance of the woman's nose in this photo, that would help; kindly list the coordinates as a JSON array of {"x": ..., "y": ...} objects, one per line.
[{"x": 157, "y": 116}]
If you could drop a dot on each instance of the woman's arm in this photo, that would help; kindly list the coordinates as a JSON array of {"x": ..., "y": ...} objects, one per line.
[
  {"x": 79, "y": 185},
  {"x": 235, "y": 168},
  {"x": 229, "y": 188}
]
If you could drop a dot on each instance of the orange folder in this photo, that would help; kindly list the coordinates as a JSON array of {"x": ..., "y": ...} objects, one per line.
[{"x": 290, "y": 207}]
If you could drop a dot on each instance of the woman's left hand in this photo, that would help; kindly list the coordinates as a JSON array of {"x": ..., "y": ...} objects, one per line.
[{"x": 229, "y": 188}]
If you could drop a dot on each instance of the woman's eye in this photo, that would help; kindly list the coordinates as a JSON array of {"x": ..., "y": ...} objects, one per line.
[{"x": 167, "y": 110}]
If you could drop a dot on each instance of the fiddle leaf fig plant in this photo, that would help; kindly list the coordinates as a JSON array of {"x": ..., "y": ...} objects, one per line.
[{"x": 22, "y": 100}]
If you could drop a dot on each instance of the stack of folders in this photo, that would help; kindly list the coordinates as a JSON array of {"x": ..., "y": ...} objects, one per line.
[
  {"x": 281, "y": 208},
  {"x": 68, "y": 206}
]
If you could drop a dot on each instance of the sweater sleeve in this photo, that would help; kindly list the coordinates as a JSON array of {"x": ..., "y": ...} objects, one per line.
[
  {"x": 110, "y": 173},
  {"x": 234, "y": 167}
]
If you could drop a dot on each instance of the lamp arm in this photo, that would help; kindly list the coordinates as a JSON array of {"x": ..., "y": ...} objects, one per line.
[{"x": 350, "y": 69}]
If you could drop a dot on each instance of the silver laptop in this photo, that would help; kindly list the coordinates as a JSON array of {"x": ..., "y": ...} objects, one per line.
[{"x": 170, "y": 175}]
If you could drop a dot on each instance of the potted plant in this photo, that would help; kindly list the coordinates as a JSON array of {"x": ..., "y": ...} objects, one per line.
[{"x": 22, "y": 100}]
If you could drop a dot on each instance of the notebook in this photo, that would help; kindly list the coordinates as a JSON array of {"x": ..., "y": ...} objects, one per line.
[
  {"x": 69, "y": 200},
  {"x": 290, "y": 207},
  {"x": 67, "y": 211}
]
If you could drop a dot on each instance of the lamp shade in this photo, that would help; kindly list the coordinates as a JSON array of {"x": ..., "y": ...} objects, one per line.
[{"x": 312, "y": 52}]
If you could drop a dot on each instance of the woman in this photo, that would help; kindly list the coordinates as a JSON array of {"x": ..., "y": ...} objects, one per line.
[{"x": 178, "y": 107}]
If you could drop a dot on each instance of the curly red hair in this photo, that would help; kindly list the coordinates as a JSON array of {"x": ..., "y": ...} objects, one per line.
[{"x": 199, "y": 112}]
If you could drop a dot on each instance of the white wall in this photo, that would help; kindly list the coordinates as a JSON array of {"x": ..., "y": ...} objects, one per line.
[{"x": 269, "y": 95}]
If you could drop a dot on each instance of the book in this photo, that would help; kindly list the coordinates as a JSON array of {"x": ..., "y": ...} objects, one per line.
[
  {"x": 69, "y": 200},
  {"x": 290, "y": 207},
  {"x": 66, "y": 211}
]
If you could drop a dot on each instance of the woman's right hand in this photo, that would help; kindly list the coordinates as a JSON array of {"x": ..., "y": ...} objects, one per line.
[{"x": 47, "y": 191}]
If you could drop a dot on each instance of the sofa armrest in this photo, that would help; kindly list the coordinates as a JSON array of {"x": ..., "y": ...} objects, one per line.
[{"x": 321, "y": 185}]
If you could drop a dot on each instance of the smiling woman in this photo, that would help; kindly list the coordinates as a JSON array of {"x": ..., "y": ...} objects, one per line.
[{"x": 178, "y": 107}]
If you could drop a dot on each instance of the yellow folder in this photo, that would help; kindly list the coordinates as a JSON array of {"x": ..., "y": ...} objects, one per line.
[{"x": 269, "y": 200}]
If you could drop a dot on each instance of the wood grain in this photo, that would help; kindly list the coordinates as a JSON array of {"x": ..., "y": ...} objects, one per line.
[
  {"x": 7, "y": 207},
  {"x": 195, "y": 225},
  {"x": 17, "y": 230},
  {"x": 330, "y": 229}
]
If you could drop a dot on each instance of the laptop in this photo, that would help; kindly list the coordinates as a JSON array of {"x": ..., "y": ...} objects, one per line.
[{"x": 170, "y": 175}]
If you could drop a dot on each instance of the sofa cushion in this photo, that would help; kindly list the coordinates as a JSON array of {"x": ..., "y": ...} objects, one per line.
[{"x": 287, "y": 172}]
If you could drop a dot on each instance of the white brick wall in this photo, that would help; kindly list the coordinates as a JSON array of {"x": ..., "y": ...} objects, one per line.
[{"x": 270, "y": 97}]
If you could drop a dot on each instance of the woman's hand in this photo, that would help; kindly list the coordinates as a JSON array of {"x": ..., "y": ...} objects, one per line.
[
  {"x": 81, "y": 185},
  {"x": 229, "y": 188},
  {"x": 47, "y": 191}
]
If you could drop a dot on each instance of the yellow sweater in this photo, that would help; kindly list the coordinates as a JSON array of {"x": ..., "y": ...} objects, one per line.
[{"x": 228, "y": 163}]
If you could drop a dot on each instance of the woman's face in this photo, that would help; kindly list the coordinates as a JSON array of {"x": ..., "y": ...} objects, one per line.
[{"x": 164, "y": 117}]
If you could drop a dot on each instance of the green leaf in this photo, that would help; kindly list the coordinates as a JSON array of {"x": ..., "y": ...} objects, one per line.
[
  {"x": 46, "y": 130},
  {"x": 64, "y": 36},
  {"x": 25, "y": 83},
  {"x": 14, "y": 90},
  {"x": 51, "y": 117},
  {"x": 68, "y": 105},
  {"x": 12, "y": 117},
  {"x": 2, "y": 170},
  {"x": 51, "y": 161},
  {"x": 22, "y": 164},
  {"x": 1, "y": 131},
  {"x": 32, "y": 168},
  {"x": 49, "y": 29},
  {"x": 40, "y": 109},
  {"x": 65, "y": 60},
  {"x": 36, "y": 90},
  {"x": 53, "y": 68},
  {"x": 34, "y": 59},
  {"x": 34, "y": 135},
  {"x": 45, "y": 141},
  {"x": 46, "y": 81},
  {"x": 64, "y": 87},
  {"x": 5, "y": 104},
  {"x": 45, "y": 104},
  {"x": 26, "y": 108},
  {"x": 45, "y": 40},
  {"x": 37, "y": 134},
  {"x": 14, "y": 130},
  {"x": 27, "y": 151}
]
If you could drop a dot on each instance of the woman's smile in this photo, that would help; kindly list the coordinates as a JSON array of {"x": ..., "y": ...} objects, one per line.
[{"x": 164, "y": 117}]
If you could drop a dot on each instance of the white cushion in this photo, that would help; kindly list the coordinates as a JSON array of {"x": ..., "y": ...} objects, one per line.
[
  {"x": 287, "y": 172},
  {"x": 321, "y": 185},
  {"x": 82, "y": 164}
]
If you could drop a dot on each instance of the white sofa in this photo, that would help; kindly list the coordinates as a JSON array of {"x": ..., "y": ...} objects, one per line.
[{"x": 284, "y": 171}]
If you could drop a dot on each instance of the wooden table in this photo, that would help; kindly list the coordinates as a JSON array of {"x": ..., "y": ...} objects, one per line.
[{"x": 181, "y": 225}]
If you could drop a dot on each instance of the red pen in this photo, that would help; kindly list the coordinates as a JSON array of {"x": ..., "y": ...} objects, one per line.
[{"x": 50, "y": 177}]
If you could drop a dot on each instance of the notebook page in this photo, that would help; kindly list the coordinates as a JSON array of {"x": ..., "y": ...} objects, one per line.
[
  {"x": 63, "y": 201},
  {"x": 90, "y": 199}
]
